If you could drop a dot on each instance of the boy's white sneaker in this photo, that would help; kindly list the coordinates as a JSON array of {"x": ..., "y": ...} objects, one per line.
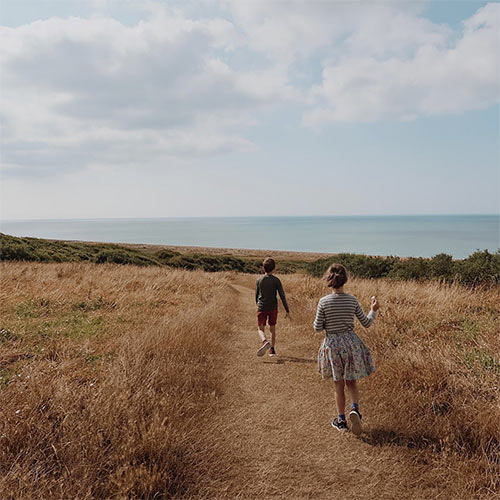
[{"x": 264, "y": 348}]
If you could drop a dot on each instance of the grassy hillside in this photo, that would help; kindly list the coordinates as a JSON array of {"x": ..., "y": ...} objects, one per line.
[
  {"x": 482, "y": 267},
  {"x": 100, "y": 379},
  {"x": 437, "y": 353},
  {"x": 40, "y": 250},
  {"x": 108, "y": 387}
]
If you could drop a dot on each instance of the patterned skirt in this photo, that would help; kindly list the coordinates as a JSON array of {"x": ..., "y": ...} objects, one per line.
[{"x": 344, "y": 356}]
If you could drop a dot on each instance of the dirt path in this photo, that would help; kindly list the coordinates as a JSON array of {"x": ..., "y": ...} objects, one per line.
[{"x": 275, "y": 425}]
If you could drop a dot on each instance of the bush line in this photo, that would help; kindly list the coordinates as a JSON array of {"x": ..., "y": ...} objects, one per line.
[{"x": 481, "y": 267}]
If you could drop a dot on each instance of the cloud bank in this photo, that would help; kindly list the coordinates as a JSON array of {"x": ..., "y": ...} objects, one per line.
[{"x": 89, "y": 93}]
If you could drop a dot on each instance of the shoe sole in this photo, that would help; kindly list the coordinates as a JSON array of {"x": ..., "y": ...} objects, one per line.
[
  {"x": 264, "y": 349},
  {"x": 355, "y": 423}
]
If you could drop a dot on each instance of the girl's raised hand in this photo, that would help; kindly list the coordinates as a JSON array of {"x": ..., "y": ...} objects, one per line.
[{"x": 375, "y": 305}]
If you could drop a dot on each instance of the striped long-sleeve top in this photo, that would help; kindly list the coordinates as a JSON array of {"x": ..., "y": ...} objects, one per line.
[{"x": 336, "y": 312}]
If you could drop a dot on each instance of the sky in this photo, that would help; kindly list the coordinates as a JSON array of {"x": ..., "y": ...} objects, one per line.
[{"x": 240, "y": 108}]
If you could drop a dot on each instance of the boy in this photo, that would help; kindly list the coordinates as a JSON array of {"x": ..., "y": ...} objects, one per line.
[{"x": 267, "y": 305}]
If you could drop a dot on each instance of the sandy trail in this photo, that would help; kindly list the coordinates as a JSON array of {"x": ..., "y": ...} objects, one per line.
[{"x": 275, "y": 426}]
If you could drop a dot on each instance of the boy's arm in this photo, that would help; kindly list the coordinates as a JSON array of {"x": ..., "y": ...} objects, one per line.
[
  {"x": 282, "y": 296},
  {"x": 257, "y": 292}
]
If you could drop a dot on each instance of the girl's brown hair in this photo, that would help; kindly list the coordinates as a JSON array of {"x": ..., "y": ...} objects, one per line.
[{"x": 336, "y": 276}]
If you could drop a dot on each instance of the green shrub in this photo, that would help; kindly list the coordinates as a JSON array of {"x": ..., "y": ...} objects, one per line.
[
  {"x": 165, "y": 255},
  {"x": 412, "y": 268},
  {"x": 35, "y": 249},
  {"x": 115, "y": 256},
  {"x": 210, "y": 263},
  {"x": 441, "y": 266},
  {"x": 482, "y": 267},
  {"x": 13, "y": 250},
  {"x": 363, "y": 266}
]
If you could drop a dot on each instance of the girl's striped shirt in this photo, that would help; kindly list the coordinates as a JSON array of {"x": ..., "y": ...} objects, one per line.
[{"x": 336, "y": 312}]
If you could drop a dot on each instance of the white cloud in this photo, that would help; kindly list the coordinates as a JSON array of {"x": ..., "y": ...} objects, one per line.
[
  {"x": 78, "y": 91},
  {"x": 436, "y": 77},
  {"x": 295, "y": 29},
  {"x": 85, "y": 92}
]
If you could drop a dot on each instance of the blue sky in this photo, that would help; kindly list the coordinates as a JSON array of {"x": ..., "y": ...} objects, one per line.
[{"x": 155, "y": 109}]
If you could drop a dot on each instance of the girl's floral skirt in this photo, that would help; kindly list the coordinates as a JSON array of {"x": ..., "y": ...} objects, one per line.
[{"x": 344, "y": 356}]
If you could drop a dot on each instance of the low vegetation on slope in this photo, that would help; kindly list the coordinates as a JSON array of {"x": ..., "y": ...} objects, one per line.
[
  {"x": 41, "y": 250},
  {"x": 482, "y": 267}
]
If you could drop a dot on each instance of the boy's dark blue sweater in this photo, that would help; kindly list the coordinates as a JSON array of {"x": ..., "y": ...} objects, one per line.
[{"x": 265, "y": 293}]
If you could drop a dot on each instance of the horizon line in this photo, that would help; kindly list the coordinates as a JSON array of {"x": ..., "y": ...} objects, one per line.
[{"x": 246, "y": 217}]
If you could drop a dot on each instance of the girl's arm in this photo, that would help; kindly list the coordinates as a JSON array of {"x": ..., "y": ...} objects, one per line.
[
  {"x": 319, "y": 321},
  {"x": 365, "y": 320}
]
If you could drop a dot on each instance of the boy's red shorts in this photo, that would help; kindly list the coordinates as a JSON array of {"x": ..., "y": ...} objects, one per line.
[{"x": 262, "y": 316}]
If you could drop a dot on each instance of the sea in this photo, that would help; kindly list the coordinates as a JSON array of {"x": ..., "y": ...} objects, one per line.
[{"x": 402, "y": 235}]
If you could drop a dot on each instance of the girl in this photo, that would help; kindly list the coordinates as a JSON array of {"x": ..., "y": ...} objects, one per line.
[{"x": 342, "y": 354}]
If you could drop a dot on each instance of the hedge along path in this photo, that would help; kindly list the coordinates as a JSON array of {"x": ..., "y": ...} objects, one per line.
[{"x": 275, "y": 433}]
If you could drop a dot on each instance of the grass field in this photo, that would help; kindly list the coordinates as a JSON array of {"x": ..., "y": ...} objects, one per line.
[
  {"x": 125, "y": 381},
  {"x": 437, "y": 351},
  {"x": 105, "y": 381}
]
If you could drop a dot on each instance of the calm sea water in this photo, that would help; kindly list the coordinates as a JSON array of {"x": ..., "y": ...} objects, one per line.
[{"x": 420, "y": 236}]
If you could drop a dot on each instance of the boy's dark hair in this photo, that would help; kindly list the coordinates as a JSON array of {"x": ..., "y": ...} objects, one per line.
[
  {"x": 336, "y": 276},
  {"x": 268, "y": 264}
]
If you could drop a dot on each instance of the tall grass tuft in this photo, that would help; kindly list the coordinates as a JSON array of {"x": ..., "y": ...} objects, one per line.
[{"x": 121, "y": 412}]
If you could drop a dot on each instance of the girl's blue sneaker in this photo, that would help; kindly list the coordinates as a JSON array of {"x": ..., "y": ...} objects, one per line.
[{"x": 340, "y": 425}]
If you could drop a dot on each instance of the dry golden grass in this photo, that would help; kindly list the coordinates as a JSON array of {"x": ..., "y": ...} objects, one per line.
[
  {"x": 437, "y": 385},
  {"x": 110, "y": 389},
  {"x": 106, "y": 382}
]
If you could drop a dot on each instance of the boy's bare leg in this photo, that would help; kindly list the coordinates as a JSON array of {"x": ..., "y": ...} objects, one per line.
[
  {"x": 273, "y": 334},
  {"x": 262, "y": 332},
  {"x": 340, "y": 396}
]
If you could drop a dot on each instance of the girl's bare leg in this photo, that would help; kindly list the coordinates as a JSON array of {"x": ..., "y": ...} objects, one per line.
[
  {"x": 273, "y": 334},
  {"x": 352, "y": 388},
  {"x": 262, "y": 332},
  {"x": 354, "y": 415},
  {"x": 340, "y": 396}
]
